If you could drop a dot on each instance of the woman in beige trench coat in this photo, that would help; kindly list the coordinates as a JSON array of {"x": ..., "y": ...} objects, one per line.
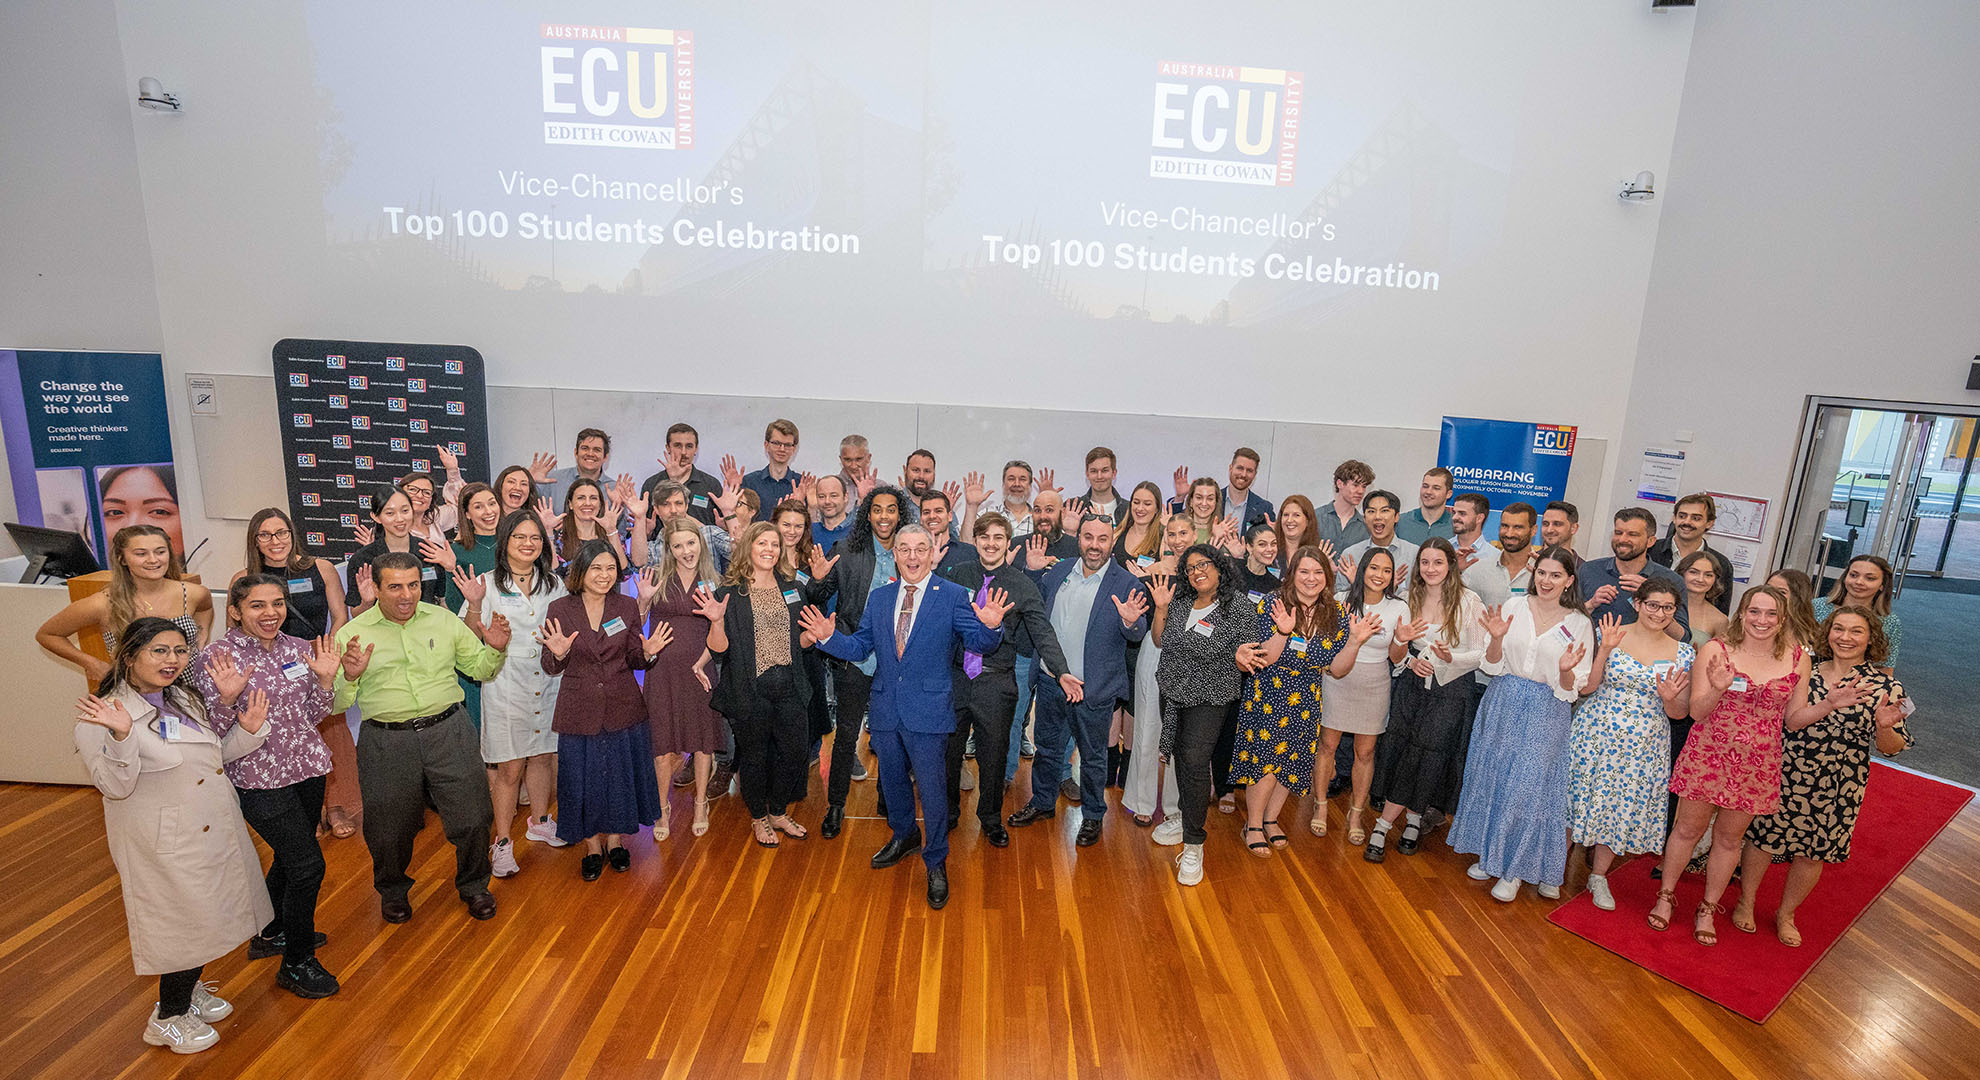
[{"x": 191, "y": 879}]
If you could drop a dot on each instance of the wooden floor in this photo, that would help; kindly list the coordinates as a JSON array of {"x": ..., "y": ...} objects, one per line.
[{"x": 714, "y": 958}]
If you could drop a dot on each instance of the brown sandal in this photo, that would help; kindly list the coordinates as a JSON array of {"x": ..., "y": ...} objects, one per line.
[
  {"x": 1789, "y": 933},
  {"x": 341, "y": 825},
  {"x": 1664, "y": 896},
  {"x": 765, "y": 835},
  {"x": 1706, "y": 910},
  {"x": 783, "y": 824}
]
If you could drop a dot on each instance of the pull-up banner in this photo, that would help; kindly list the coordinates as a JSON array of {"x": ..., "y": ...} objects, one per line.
[
  {"x": 356, "y": 414},
  {"x": 1507, "y": 460},
  {"x": 88, "y": 444}
]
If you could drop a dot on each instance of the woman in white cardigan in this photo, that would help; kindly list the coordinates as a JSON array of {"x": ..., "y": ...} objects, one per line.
[{"x": 191, "y": 879}]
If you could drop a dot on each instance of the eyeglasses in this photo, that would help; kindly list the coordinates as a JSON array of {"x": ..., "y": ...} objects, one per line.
[
  {"x": 168, "y": 652},
  {"x": 781, "y": 445},
  {"x": 1659, "y": 608},
  {"x": 269, "y": 537}
]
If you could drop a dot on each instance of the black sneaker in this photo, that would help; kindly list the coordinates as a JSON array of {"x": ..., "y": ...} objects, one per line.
[
  {"x": 261, "y": 947},
  {"x": 307, "y": 979}
]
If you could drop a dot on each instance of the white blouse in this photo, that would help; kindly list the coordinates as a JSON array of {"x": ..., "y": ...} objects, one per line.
[
  {"x": 1538, "y": 656},
  {"x": 1394, "y": 612},
  {"x": 1466, "y": 655}
]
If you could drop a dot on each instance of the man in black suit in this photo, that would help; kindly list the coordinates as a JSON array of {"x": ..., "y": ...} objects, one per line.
[
  {"x": 950, "y": 552},
  {"x": 986, "y": 688}
]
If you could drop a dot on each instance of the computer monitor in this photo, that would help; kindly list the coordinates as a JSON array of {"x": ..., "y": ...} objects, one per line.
[{"x": 51, "y": 552}]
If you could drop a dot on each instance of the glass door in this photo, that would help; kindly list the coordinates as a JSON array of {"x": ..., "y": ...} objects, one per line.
[
  {"x": 1859, "y": 491},
  {"x": 1946, "y": 543}
]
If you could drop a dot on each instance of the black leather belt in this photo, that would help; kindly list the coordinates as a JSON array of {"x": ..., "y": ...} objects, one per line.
[{"x": 417, "y": 723}]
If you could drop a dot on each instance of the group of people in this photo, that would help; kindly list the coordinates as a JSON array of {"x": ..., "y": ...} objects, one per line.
[{"x": 568, "y": 643}]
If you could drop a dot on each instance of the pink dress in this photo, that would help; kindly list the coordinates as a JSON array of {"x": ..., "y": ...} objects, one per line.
[{"x": 1733, "y": 759}]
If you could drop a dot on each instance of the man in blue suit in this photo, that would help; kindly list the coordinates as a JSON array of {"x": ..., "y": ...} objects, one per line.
[
  {"x": 1096, "y": 608},
  {"x": 910, "y": 627}
]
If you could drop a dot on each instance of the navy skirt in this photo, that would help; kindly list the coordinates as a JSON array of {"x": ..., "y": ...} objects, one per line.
[{"x": 605, "y": 784}]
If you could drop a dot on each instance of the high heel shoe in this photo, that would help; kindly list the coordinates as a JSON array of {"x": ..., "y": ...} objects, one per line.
[
  {"x": 700, "y": 827},
  {"x": 1260, "y": 848},
  {"x": 1356, "y": 834}
]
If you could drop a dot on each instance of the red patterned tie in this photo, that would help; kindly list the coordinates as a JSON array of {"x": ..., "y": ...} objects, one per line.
[{"x": 906, "y": 620}]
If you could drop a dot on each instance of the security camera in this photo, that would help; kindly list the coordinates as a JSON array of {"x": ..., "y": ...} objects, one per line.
[{"x": 152, "y": 95}]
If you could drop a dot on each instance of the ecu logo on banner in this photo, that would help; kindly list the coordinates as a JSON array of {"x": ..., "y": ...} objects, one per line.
[
  {"x": 1226, "y": 124},
  {"x": 630, "y": 87}
]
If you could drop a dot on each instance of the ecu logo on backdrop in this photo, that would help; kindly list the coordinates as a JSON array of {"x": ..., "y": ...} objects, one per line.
[
  {"x": 630, "y": 87},
  {"x": 1226, "y": 124}
]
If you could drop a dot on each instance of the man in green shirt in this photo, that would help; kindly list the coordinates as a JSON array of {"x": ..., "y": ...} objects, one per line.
[{"x": 398, "y": 668}]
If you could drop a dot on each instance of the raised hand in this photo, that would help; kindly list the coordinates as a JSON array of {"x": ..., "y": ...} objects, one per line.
[
  {"x": 730, "y": 494},
  {"x": 1415, "y": 628},
  {"x": 449, "y": 461},
  {"x": 1495, "y": 621},
  {"x": 1844, "y": 695},
  {"x": 471, "y": 586},
  {"x": 731, "y": 472},
  {"x": 1326, "y": 548},
  {"x": 1674, "y": 686},
  {"x": 105, "y": 713},
  {"x": 996, "y": 603},
  {"x": 1443, "y": 650},
  {"x": 636, "y": 506},
  {"x": 816, "y": 623},
  {"x": 1034, "y": 552},
  {"x": 1718, "y": 673},
  {"x": 807, "y": 489},
  {"x": 648, "y": 586},
  {"x": 552, "y": 635},
  {"x": 1346, "y": 567},
  {"x": 659, "y": 639},
  {"x": 820, "y": 565},
  {"x": 357, "y": 657},
  {"x": 865, "y": 482},
  {"x": 1602, "y": 596},
  {"x": 1890, "y": 712},
  {"x": 974, "y": 492},
  {"x": 1182, "y": 481},
  {"x": 547, "y": 514},
  {"x": 541, "y": 465},
  {"x": 1133, "y": 608},
  {"x": 497, "y": 633},
  {"x": 323, "y": 659},
  {"x": 1363, "y": 627},
  {"x": 363, "y": 534},
  {"x": 1610, "y": 630},
  {"x": 367, "y": 589},
  {"x": 623, "y": 488},
  {"x": 1072, "y": 688},
  {"x": 1162, "y": 587},
  {"x": 439, "y": 553},
  {"x": 1283, "y": 616},
  {"x": 229, "y": 679},
  {"x": 708, "y": 606},
  {"x": 1251, "y": 657},
  {"x": 1572, "y": 655},
  {"x": 954, "y": 491},
  {"x": 254, "y": 710}
]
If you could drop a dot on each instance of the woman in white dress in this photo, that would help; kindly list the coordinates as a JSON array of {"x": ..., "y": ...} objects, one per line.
[
  {"x": 1147, "y": 770},
  {"x": 518, "y": 703},
  {"x": 1358, "y": 703}
]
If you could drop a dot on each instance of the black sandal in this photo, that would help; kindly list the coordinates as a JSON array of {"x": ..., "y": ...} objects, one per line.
[
  {"x": 1260, "y": 848},
  {"x": 1280, "y": 841},
  {"x": 759, "y": 828}
]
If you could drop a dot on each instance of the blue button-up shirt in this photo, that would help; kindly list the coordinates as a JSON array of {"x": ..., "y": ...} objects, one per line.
[
  {"x": 1072, "y": 609},
  {"x": 1596, "y": 573},
  {"x": 883, "y": 572}
]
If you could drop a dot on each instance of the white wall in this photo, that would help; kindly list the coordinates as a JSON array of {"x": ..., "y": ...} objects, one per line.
[{"x": 1820, "y": 236}]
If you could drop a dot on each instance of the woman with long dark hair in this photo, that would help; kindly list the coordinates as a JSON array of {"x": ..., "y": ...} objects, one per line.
[
  {"x": 1201, "y": 621},
  {"x": 1140, "y": 541},
  {"x": 392, "y": 509},
  {"x": 146, "y": 579},
  {"x": 1867, "y": 582},
  {"x": 1358, "y": 700},
  {"x": 191, "y": 880}
]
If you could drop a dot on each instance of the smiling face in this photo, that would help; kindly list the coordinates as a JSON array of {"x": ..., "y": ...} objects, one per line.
[
  {"x": 935, "y": 515},
  {"x": 853, "y": 460},
  {"x": 779, "y": 447},
  {"x": 1629, "y": 539},
  {"x": 1465, "y": 518},
  {"x": 1243, "y": 472},
  {"x": 1201, "y": 573},
  {"x": 485, "y": 512},
  {"x": 912, "y": 555},
  {"x": 1177, "y": 535},
  {"x": 1700, "y": 578},
  {"x": 515, "y": 490},
  {"x": 276, "y": 541},
  {"x": 1556, "y": 530},
  {"x": 1048, "y": 513},
  {"x": 590, "y": 455},
  {"x": 1264, "y": 547},
  {"x": 885, "y": 517},
  {"x": 157, "y": 663},
  {"x": 1203, "y": 500},
  {"x": 1849, "y": 638},
  {"x": 398, "y": 594},
  {"x": 1656, "y": 611},
  {"x": 1515, "y": 532},
  {"x": 1433, "y": 492},
  {"x": 1292, "y": 522},
  {"x": 1549, "y": 578},
  {"x": 420, "y": 492},
  {"x": 525, "y": 543},
  {"x": 920, "y": 474},
  {"x": 1761, "y": 617},
  {"x": 791, "y": 526},
  {"x": 602, "y": 576},
  {"x": 1142, "y": 507},
  {"x": 1309, "y": 579},
  {"x": 396, "y": 516},
  {"x": 261, "y": 612},
  {"x": 139, "y": 497},
  {"x": 1862, "y": 582},
  {"x": 992, "y": 544},
  {"x": 831, "y": 496},
  {"x": 765, "y": 550},
  {"x": 1380, "y": 514},
  {"x": 1432, "y": 567},
  {"x": 1017, "y": 485},
  {"x": 1096, "y": 542},
  {"x": 146, "y": 557},
  {"x": 1100, "y": 474},
  {"x": 1689, "y": 522},
  {"x": 586, "y": 502},
  {"x": 1380, "y": 575},
  {"x": 685, "y": 546}
]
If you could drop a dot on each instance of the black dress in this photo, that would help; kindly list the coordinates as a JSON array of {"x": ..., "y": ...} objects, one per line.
[
  {"x": 1824, "y": 770},
  {"x": 309, "y": 608},
  {"x": 432, "y": 579}
]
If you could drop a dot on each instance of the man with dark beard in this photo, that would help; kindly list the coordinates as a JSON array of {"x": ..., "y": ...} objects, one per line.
[{"x": 1610, "y": 584}]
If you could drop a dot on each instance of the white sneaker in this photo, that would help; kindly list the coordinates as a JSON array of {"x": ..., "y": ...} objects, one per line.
[
  {"x": 186, "y": 1034},
  {"x": 859, "y": 770},
  {"x": 544, "y": 831},
  {"x": 1598, "y": 888},
  {"x": 1189, "y": 865},
  {"x": 1506, "y": 891},
  {"x": 1476, "y": 872},
  {"x": 503, "y": 855},
  {"x": 209, "y": 1006},
  {"x": 1549, "y": 892},
  {"x": 1169, "y": 833},
  {"x": 968, "y": 782}
]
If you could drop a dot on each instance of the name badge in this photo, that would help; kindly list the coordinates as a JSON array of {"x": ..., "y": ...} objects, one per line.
[
  {"x": 803, "y": 578},
  {"x": 427, "y": 573},
  {"x": 1905, "y": 703},
  {"x": 701, "y": 501},
  {"x": 1275, "y": 571},
  {"x": 170, "y": 724},
  {"x": 1739, "y": 684},
  {"x": 1297, "y": 644},
  {"x": 1561, "y": 631},
  {"x": 1204, "y": 628},
  {"x": 1144, "y": 560},
  {"x": 1518, "y": 590},
  {"x": 792, "y": 596},
  {"x": 1256, "y": 597},
  {"x": 295, "y": 669},
  {"x": 612, "y": 626},
  {"x": 301, "y": 585},
  {"x": 1662, "y": 667}
]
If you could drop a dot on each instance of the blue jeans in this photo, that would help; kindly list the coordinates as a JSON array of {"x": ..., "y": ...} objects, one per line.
[
  {"x": 1062, "y": 726},
  {"x": 1025, "y": 666}
]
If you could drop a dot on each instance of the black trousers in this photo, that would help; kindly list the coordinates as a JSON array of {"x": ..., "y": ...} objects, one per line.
[
  {"x": 1220, "y": 755},
  {"x": 286, "y": 818},
  {"x": 1680, "y": 731},
  {"x": 984, "y": 707},
  {"x": 1197, "y": 735},
  {"x": 399, "y": 770},
  {"x": 175, "y": 990},
  {"x": 773, "y": 746},
  {"x": 853, "y": 688}
]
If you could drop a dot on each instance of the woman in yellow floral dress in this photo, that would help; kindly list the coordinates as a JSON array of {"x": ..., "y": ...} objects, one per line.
[{"x": 1306, "y": 633}]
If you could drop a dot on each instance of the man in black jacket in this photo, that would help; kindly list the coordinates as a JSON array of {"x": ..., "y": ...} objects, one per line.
[
  {"x": 986, "y": 686},
  {"x": 864, "y": 561}
]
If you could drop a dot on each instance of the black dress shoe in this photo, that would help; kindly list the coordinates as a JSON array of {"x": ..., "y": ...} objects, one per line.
[
  {"x": 395, "y": 909},
  {"x": 263, "y": 946},
  {"x": 591, "y": 866},
  {"x": 938, "y": 886},
  {"x": 1029, "y": 814},
  {"x": 307, "y": 979},
  {"x": 481, "y": 906},
  {"x": 995, "y": 834},
  {"x": 900, "y": 847},
  {"x": 1375, "y": 852},
  {"x": 1089, "y": 833},
  {"x": 1412, "y": 838},
  {"x": 835, "y": 819},
  {"x": 620, "y": 858}
]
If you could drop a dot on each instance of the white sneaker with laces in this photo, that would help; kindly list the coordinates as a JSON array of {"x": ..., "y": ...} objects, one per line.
[
  {"x": 1476, "y": 872},
  {"x": 184, "y": 1034},
  {"x": 1598, "y": 888},
  {"x": 503, "y": 854},
  {"x": 544, "y": 831},
  {"x": 1189, "y": 865},
  {"x": 209, "y": 1006},
  {"x": 1506, "y": 891},
  {"x": 1169, "y": 833},
  {"x": 1549, "y": 892}
]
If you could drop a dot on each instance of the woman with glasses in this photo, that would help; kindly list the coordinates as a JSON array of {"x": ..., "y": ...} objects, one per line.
[
  {"x": 433, "y": 517},
  {"x": 1619, "y": 751},
  {"x": 190, "y": 876}
]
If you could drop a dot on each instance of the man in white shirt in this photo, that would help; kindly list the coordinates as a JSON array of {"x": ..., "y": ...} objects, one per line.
[
  {"x": 1013, "y": 500},
  {"x": 1468, "y": 516},
  {"x": 1508, "y": 571}
]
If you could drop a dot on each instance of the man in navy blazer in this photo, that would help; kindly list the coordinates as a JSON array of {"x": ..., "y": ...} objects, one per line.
[
  {"x": 910, "y": 627},
  {"x": 1096, "y": 608}
]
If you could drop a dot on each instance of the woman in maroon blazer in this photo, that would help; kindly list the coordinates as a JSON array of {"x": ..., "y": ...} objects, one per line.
[{"x": 606, "y": 786}]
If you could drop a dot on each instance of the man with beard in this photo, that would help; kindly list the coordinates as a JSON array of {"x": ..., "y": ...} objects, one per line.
[
  {"x": 1048, "y": 542},
  {"x": 949, "y": 552},
  {"x": 864, "y": 564},
  {"x": 1693, "y": 517},
  {"x": 1609, "y": 585},
  {"x": 1013, "y": 500},
  {"x": 1509, "y": 570},
  {"x": 683, "y": 446},
  {"x": 1468, "y": 516},
  {"x": 1559, "y": 523}
]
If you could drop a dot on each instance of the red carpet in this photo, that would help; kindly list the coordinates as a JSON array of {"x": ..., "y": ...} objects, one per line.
[{"x": 1751, "y": 974}]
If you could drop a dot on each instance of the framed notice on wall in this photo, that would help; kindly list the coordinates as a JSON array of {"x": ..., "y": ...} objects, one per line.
[{"x": 356, "y": 414}]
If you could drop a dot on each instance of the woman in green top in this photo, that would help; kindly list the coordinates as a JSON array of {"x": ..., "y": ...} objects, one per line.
[
  {"x": 472, "y": 551},
  {"x": 1867, "y": 582}
]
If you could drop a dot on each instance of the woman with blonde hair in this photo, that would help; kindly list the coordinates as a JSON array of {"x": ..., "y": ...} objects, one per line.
[
  {"x": 146, "y": 579},
  {"x": 678, "y": 686}
]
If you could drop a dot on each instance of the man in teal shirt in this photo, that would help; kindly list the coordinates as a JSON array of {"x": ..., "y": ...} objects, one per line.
[
  {"x": 1432, "y": 516},
  {"x": 398, "y": 668}
]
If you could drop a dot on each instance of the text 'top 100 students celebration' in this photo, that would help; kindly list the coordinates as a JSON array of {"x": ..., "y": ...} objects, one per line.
[{"x": 565, "y": 645}]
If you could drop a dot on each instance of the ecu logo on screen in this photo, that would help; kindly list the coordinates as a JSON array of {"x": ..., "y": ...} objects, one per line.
[
  {"x": 629, "y": 87},
  {"x": 1226, "y": 124}
]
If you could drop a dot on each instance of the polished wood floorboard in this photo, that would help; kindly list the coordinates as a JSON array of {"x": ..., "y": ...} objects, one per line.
[{"x": 716, "y": 958}]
